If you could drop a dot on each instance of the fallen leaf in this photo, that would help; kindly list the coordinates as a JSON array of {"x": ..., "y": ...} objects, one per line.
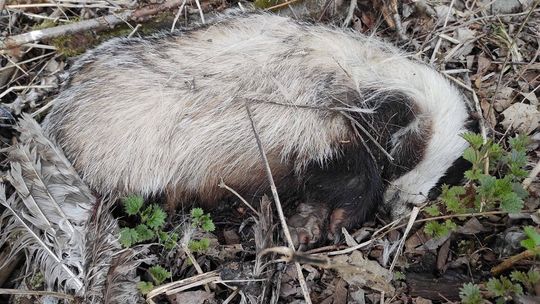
[
  {"x": 193, "y": 297},
  {"x": 488, "y": 112},
  {"x": 362, "y": 272},
  {"x": 472, "y": 226},
  {"x": 521, "y": 117}
]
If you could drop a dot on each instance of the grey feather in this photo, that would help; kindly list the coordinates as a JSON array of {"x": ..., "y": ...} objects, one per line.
[{"x": 65, "y": 232}]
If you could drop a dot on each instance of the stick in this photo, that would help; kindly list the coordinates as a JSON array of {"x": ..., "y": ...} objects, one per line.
[
  {"x": 509, "y": 262},
  {"x": 273, "y": 188},
  {"x": 108, "y": 21}
]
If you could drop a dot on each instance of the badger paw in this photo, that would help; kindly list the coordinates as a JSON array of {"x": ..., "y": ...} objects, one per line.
[{"x": 307, "y": 224}]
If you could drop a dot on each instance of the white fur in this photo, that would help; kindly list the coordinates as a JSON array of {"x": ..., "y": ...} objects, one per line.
[{"x": 152, "y": 114}]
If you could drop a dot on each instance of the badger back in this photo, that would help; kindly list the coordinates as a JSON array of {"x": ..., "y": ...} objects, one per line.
[{"x": 143, "y": 115}]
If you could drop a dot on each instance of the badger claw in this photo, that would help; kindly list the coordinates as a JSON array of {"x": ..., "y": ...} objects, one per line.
[{"x": 307, "y": 224}]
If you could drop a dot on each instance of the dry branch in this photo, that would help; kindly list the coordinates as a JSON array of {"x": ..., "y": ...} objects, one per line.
[{"x": 109, "y": 21}]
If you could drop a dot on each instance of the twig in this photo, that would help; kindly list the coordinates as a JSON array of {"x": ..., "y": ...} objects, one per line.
[
  {"x": 37, "y": 293},
  {"x": 532, "y": 175},
  {"x": 410, "y": 224},
  {"x": 140, "y": 14},
  {"x": 198, "y": 278},
  {"x": 200, "y": 11},
  {"x": 281, "y": 5},
  {"x": 509, "y": 262},
  {"x": 438, "y": 44},
  {"x": 223, "y": 185},
  {"x": 350, "y": 14},
  {"x": 195, "y": 263},
  {"x": 273, "y": 188},
  {"x": 507, "y": 57}
]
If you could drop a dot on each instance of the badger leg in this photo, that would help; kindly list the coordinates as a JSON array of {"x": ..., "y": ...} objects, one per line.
[
  {"x": 350, "y": 186},
  {"x": 307, "y": 224}
]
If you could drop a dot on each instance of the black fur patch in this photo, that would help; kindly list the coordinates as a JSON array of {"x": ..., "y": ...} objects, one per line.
[{"x": 351, "y": 181}]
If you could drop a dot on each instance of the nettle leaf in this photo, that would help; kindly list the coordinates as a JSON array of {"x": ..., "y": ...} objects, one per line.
[
  {"x": 200, "y": 245},
  {"x": 132, "y": 204},
  {"x": 154, "y": 217},
  {"x": 169, "y": 240},
  {"x": 145, "y": 287},
  {"x": 495, "y": 151},
  {"x": 128, "y": 237},
  {"x": 528, "y": 279},
  {"x": 503, "y": 286},
  {"x": 159, "y": 274},
  {"x": 511, "y": 202},
  {"x": 144, "y": 232},
  {"x": 208, "y": 225},
  {"x": 473, "y": 174},
  {"x": 470, "y": 294},
  {"x": 487, "y": 186},
  {"x": 519, "y": 143},
  {"x": 533, "y": 238},
  {"x": 439, "y": 230},
  {"x": 432, "y": 210},
  {"x": 451, "y": 198},
  {"x": 196, "y": 213},
  {"x": 517, "y": 188},
  {"x": 471, "y": 155},
  {"x": 475, "y": 140}
]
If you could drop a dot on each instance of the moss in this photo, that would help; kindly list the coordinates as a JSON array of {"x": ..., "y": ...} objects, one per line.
[
  {"x": 262, "y": 4},
  {"x": 73, "y": 45}
]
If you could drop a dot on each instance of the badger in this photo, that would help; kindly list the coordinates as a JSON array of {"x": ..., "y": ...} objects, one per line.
[{"x": 347, "y": 122}]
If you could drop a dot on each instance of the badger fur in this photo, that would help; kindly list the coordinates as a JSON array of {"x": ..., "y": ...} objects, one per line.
[{"x": 345, "y": 119}]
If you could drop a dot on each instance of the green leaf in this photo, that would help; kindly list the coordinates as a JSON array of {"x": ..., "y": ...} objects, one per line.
[
  {"x": 471, "y": 155},
  {"x": 128, "y": 237},
  {"x": 199, "y": 246},
  {"x": 196, "y": 213},
  {"x": 439, "y": 230},
  {"x": 475, "y": 140},
  {"x": 451, "y": 198},
  {"x": 144, "y": 233},
  {"x": 432, "y": 210},
  {"x": 473, "y": 174},
  {"x": 154, "y": 217},
  {"x": 519, "y": 143},
  {"x": 487, "y": 186},
  {"x": 511, "y": 203},
  {"x": 503, "y": 287},
  {"x": 208, "y": 225},
  {"x": 159, "y": 274},
  {"x": 145, "y": 287},
  {"x": 470, "y": 294},
  {"x": 518, "y": 189},
  {"x": 528, "y": 279},
  {"x": 168, "y": 240},
  {"x": 132, "y": 204},
  {"x": 533, "y": 238}
]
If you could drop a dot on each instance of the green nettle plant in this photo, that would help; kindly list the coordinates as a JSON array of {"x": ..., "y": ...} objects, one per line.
[
  {"x": 493, "y": 182},
  {"x": 152, "y": 220},
  {"x": 502, "y": 289},
  {"x": 204, "y": 222},
  {"x": 149, "y": 228}
]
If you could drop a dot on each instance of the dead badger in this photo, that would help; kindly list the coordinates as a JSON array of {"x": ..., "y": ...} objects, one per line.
[{"x": 345, "y": 120}]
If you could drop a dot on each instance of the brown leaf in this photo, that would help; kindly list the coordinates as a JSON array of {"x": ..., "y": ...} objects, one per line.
[
  {"x": 488, "y": 112},
  {"x": 193, "y": 297},
  {"x": 521, "y": 117},
  {"x": 472, "y": 226},
  {"x": 442, "y": 256}
]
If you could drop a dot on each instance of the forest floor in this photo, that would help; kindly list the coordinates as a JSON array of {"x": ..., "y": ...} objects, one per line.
[{"x": 477, "y": 243}]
